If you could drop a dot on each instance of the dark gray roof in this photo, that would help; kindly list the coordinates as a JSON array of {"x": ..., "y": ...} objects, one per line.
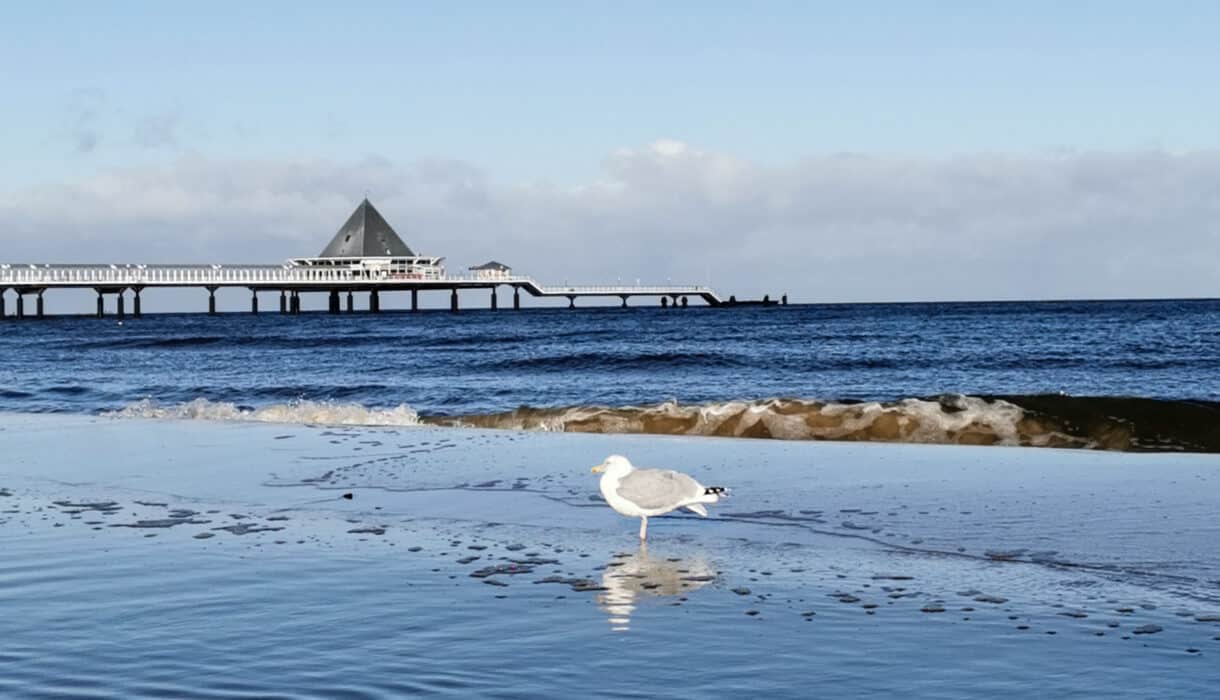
[
  {"x": 493, "y": 265},
  {"x": 365, "y": 235}
]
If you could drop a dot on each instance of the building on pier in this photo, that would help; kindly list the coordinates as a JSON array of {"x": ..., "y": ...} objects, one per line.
[
  {"x": 492, "y": 271},
  {"x": 368, "y": 247}
]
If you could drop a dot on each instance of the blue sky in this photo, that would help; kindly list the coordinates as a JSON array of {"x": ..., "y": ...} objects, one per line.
[
  {"x": 547, "y": 89},
  {"x": 524, "y": 93}
]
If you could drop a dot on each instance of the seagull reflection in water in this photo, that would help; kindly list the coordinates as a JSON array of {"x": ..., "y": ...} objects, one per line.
[{"x": 628, "y": 578}]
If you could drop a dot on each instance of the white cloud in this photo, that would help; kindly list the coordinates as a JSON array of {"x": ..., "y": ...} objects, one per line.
[{"x": 833, "y": 227}]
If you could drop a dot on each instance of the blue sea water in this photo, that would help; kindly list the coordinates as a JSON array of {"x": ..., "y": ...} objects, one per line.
[{"x": 482, "y": 362}]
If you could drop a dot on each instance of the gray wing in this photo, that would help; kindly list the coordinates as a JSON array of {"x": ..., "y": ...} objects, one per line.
[{"x": 658, "y": 488}]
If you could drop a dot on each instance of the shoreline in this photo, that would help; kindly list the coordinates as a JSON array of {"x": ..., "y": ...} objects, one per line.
[{"x": 226, "y": 543}]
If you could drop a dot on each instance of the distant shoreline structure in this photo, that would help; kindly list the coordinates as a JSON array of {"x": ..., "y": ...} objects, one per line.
[{"x": 366, "y": 256}]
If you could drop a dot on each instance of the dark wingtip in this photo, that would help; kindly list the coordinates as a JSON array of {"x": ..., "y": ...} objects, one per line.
[{"x": 714, "y": 491}]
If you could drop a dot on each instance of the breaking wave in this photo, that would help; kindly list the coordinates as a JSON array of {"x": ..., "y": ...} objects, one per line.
[
  {"x": 1104, "y": 423},
  {"x": 296, "y": 412}
]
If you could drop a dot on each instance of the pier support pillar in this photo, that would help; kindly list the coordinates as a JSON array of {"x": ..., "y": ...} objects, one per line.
[
  {"x": 2, "y": 311},
  {"x": 333, "y": 306},
  {"x": 101, "y": 305},
  {"x": 415, "y": 300},
  {"x": 664, "y": 302},
  {"x": 351, "y": 302},
  {"x": 283, "y": 301},
  {"x": 494, "y": 301},
  {"x": 784, "y": 300},
  {"x": 624, "y": 298},
  {"x": 295, "y": 302},
  {"x": 39, "y": 305},
  {"x": 375, "y": 301},
  {"x": 517, "y": 298},
  {"x": 453, "y": 299},
  {"x": 253, "y": 301},
  {"x": 118, "y": 305},
  {"x": 211, "y": 301},
  {"x": 571, "y": 302},
  {"x": 20, "y": 305},
  {"x": 684, "y": 302},
  {"x": 135, "y": 303}
]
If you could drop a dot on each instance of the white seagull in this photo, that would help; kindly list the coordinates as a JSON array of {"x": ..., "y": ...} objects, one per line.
[{"x": 639, "y": 493}]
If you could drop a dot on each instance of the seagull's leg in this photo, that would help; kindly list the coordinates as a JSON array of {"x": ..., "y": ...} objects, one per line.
[{"x": 643, "y": 527}]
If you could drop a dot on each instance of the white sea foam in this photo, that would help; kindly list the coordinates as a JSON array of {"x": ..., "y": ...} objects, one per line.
[
  {"x": 295, "y": 412},
  {"x": 948, "y": 420}
]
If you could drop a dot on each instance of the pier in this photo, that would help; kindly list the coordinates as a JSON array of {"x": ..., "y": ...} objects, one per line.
[{"x": 366, "y": 256}]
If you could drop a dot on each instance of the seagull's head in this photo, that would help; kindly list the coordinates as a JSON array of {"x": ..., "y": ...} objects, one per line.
[{"x": 614, "y": 464}]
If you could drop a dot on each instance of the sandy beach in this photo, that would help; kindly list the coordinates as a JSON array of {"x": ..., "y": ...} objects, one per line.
[{"x": 149, "y": 558}]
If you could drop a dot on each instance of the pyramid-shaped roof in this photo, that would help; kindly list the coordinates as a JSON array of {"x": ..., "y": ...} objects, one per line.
[{"x": 366, "y": 235}]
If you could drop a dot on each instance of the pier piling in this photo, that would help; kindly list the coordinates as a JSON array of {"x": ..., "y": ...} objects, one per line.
[
  {"x": 664, "y": 302},
  {"x": 20, "y": 305},
  {"x": 571, "y": 302},
  {"x": 516, "y": 298},
  {"x": 624, "y": 298},
  {"x": 135, "y": 303},
  {"x": 283, "y": 301},
  {"x": 494, "y": 301},
  {"x": 2, "y": 311},
  {"x": 375, "y": 301},
  {"x": 453, "y": 299},
  {"x": 333, "y": 306},
  {"x": 253, "y": 301},
  {"x": 101, "y": 304},
  {"x": 295, "y": 302},
  {"x": 351, "y": 302},
  {"x": 211, "y": 301},
  {"x": 38, "y": 305},
  {"x": 118, "y": 308},
  {"x": 415, "y": 300}
]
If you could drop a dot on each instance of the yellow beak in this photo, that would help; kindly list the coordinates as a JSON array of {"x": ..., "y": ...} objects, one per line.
[{"x": 598, "y": 469}]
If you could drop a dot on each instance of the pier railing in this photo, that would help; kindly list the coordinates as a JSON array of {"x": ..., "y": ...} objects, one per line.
[{"x": 34, "y": 277}]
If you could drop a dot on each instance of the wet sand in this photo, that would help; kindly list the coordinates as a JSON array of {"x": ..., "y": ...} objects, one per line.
[{"x": 202, "y": 559}]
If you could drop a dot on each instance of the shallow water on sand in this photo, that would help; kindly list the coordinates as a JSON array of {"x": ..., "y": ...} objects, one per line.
[{"x": 172, "y": 559}]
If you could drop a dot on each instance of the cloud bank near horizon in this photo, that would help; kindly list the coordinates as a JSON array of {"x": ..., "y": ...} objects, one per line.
[{"x": 839, "y": 227}]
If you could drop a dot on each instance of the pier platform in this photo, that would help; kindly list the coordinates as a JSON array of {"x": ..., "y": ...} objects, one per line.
[{"x": 129, "y": 282}]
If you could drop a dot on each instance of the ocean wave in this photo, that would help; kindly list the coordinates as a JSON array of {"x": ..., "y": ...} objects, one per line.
[
  {"x": 295, "y": 412},
  {"x": 1052, "y": 420}
]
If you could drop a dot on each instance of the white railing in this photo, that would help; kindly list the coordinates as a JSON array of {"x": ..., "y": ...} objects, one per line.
[{"x": 283, "y": 275}]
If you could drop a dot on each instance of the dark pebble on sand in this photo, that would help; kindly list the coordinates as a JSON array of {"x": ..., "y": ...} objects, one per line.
[
  {"x": 367, "y": 531},
  {"x": 751, "y": 613},
  {"x": 741, "y": 591},
  {"x": 1125, "y": 611},
  {"x": 848, "y": 599},
  {"x": 1147, "y": 629},
  {"x": 932, "y": 608},
  {"x": 348, "y": 496},
  {"x": 1077, "y": 614},
  {"x": 467, "y": 560},
  {"x": 205, "y": 535},
  {"x": 1207, "y": 618},
  {"x": 494, "y": 582},
  {"x": 415, "y": 549}
]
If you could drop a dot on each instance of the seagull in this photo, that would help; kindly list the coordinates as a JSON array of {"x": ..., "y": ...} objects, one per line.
[{"x": 639, "y": 493}]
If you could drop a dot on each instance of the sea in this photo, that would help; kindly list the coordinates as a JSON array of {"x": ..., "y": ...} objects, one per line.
[
  {"x": 1118, "y": 375},
  {"x": 392, "y": 505}
]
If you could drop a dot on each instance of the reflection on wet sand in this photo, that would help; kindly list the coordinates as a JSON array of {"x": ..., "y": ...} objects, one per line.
[{"x": 629, "y": 577}]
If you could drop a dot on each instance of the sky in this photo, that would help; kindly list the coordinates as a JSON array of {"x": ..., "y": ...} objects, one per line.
[{"x": 864, "y": 151}]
